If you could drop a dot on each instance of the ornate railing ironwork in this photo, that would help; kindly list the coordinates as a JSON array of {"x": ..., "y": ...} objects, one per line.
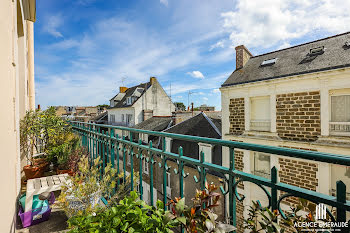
[{"x": 102, "y": 140}]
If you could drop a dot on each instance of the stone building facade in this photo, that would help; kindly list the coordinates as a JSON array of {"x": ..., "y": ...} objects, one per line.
[{"x": 290, "y": 98}]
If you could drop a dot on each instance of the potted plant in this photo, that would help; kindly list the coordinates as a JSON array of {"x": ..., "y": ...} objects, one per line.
[
  {"x": 30, "y": 142},
  {"x": 40, "y": 131},
  {"x": 84, "y": 190},
  {"x": 68, "y": 160}
]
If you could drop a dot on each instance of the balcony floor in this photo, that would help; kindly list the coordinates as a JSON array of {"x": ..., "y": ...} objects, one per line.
[{"x": 57, "y": 223}]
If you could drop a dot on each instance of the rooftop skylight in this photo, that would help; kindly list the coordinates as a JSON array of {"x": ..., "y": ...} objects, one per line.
[
  {"x": 316, "y": 51},
  {"x": 269, "y": 62}
]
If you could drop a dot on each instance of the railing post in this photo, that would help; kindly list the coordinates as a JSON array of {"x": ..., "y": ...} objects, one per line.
[
  {"x": 232, "y": 199},
  {"x": 131, "y": 152},
  {"x": 202, "y": 172},
  {"x": 112, "y": 148},
  {"x": 118, "y": 171},
  {"x": 341, "y": 198},
  {"x": 140, "y": 171},
  {"x": 124, "y": 160},
  {"x": 273, "y": 188},
  {"x": 151, "y": 173},
  {"x": 181, "y": 169},
  {"x": 165, "y": 200},
  {"x": 103, "y": 155}
]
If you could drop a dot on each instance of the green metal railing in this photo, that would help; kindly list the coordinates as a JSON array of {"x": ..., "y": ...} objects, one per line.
[{"x": 112, "y": 147}]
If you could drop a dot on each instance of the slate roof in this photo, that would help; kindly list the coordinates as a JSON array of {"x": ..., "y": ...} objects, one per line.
[
  {"x": 156, "y": 123},
  {"x": 103, "y": 117},
  {"x": 200, "y": 125},
  {"x": 129, "y": 92},
  {"x": 295, "y": 60}
]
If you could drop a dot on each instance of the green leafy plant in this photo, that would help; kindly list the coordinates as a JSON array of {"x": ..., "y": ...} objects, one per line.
[
  {"x": 130, "y": 215},
  {"x": 40, "y": 131},
  {"x": 304, "y": 212},
  {"x": 262, "y": 219},
  {"x": 83, "y": 191},
  {"x": 200, "y": 217}
]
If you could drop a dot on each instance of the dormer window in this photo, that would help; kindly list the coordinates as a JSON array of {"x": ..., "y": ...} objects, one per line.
[
  {"x": 316, "y": 51},
  {"x": 347, "y": 44},
  {"x": 128, "y": 101},
  {"x": 269, "y": 62}
]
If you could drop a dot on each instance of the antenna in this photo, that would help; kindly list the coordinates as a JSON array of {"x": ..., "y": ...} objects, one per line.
[
  {"x": 188, "y": 98},
  {"x": 123, "y": 79},
  {"x": 170, "y": 98}
]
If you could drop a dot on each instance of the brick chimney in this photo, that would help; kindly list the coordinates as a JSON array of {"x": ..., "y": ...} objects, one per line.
[
  {"x": 122, "y": 89},
  {"x": 242, "y": 56},
  {"x": 152, "y": 80},
  {"x": 147, "y": 114}
]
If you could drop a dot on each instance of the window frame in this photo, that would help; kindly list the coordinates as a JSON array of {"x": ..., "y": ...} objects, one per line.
[
  {"x": 255, "y": 171},
  {"x": 335, "y": 93},
  {"x": 257, "y": 121}
]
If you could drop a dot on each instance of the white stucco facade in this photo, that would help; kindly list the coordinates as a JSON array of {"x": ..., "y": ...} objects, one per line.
[
  {"x": 16, "y": 97},
  {"x": 153, "y": 99}
]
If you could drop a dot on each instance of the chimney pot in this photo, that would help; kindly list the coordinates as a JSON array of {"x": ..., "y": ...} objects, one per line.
[
  {"x": 122, "y": 89},
  {"x": 242, "y": 56},
  {"x": 152, "y": 80}
]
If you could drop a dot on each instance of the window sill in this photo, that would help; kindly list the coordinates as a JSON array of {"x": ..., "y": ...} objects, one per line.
[
  {"x": 333, "y": 140},
  {"x": 261, "y": 134}
]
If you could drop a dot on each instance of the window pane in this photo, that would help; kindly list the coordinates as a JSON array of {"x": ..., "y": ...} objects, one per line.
[
  {"x": 260, "y": 108},
  {"x": 340, "y": 106},
  {"x": 262, "y": 164}
]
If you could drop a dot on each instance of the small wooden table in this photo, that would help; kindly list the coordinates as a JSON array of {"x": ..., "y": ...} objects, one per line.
[{"x": 44, "y": 184}]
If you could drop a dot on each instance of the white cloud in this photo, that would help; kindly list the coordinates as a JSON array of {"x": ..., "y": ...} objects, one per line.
[
  {"x": 216, "y": 90},
  {"x": 196, "y": 74},
  {"x": 219, "y": 44},
  {"x": 205, "y": 99},
  {"x": 165, "y": 2},
  {"x": 268, "y": 23},
  {"x": 52, "y": 24}
]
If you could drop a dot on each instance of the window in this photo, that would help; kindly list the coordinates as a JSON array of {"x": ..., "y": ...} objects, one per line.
[
  {"x": 145, "y": 166},
  {"x": 207, "y": 150},
  {"x": 262, "y": 164},
  {"x": 112, "y": 118},
  {"x": 128, "y": 101},
  {"x": 316, "y": 51},
  {"x": 342, "y": 173},
  {"x": 269, "y": 62},
  {"x": 128, "y": 119},
  {"x": 168, "y": 188},
  {"x": 122, "y": 117},
  {"x": 340, "y": 115},
  {"x": 260, "y": 119}
]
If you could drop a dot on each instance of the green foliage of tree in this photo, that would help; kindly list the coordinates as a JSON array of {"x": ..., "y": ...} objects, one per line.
[{"x": 180, "y": 106}]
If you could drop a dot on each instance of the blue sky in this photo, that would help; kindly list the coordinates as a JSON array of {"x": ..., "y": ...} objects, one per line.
[{"x": 86, "y": 49}]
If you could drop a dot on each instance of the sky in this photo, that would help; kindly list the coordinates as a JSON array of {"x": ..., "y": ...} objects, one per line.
[{"x": 86, "y": 49}]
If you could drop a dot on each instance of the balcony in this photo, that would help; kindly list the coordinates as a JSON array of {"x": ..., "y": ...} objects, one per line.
[
  {"x": 339, "y": 128},
  {"x": 118, "y": 149},
  {"x": 260, "y": 125}
]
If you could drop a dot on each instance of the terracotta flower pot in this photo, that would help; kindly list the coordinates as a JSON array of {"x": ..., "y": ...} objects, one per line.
[
  {"x": 32, "y": 172},
  {"x": 69, "y": 171}
]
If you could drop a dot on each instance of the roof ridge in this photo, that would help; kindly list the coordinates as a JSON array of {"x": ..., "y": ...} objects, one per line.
[
  {"x": 326, "y": 38},
  {"x": 182, "y": 122},
  {"x": 212, "y": 123}
]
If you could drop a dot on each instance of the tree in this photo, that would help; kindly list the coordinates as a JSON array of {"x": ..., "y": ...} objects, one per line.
[{"x": 180, "y": 106}]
